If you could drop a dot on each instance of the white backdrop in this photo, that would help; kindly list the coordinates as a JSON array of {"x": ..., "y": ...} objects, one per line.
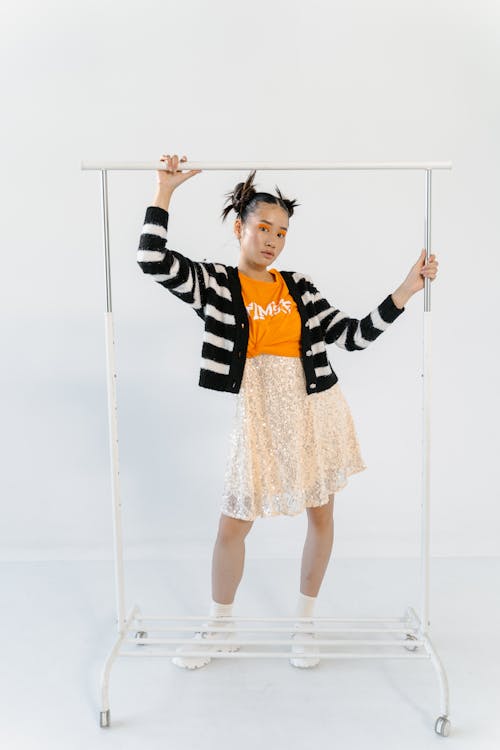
[{"x": 353, "y": 81}]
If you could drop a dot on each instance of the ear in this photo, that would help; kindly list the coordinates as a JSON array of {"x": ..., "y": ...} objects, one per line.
[{"x": 237, "y": 227}]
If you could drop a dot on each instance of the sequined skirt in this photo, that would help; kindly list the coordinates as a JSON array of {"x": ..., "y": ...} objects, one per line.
[{"x": 287, "y": 450}]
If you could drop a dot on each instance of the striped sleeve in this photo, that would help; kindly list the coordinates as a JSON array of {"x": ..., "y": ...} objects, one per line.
[
  {"x": 186, "y": 278},
  {"x": 350, "y": 333}
]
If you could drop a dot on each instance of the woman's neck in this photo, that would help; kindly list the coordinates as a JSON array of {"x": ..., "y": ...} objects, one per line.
[{"x": 263, "y": 276}]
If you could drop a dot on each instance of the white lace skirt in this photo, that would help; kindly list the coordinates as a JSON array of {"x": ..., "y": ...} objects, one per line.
[{"x": 288, "y": 450}]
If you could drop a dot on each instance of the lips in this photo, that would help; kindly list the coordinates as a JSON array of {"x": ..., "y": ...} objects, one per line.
[{"x": 268, "y": 254}]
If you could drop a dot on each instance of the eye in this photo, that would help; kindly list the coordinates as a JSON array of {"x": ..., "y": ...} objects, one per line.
[{"x": 280, "y": 234}]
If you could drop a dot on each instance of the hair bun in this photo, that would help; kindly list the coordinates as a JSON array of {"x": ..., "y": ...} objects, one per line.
[
  {"x": 237, "y": 196},
  {"x": 244, "y": 192}
]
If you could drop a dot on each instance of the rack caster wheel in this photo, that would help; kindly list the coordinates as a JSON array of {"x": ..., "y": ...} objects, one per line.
[
  {"x": 410, "y": 637},
  {"x": 105, "y": 718},
  {"x": 141, "y": 634},
  {"x": 442, "y": 726}
]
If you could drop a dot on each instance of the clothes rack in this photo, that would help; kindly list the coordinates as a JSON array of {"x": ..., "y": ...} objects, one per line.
[{"x": 408, "y": 635}]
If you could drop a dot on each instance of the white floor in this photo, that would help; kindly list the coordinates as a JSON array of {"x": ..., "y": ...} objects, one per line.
[{"x": 58, "y": 625}]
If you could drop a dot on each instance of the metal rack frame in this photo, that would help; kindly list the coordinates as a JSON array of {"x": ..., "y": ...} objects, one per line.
[{"x": 409, "y": 634}]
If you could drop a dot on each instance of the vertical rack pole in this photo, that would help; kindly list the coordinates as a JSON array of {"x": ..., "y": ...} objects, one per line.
[
  {"x": 426, "y": 431},
  {"x": 112, "y": 417}
]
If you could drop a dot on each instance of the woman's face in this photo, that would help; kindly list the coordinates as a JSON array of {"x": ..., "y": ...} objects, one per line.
[{"x": 263, "y": 231}]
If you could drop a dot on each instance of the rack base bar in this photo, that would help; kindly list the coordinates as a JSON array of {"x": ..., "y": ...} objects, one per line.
[
  {"x": 240, "y": 618},
  {"x": 415, "y": 637},
  {"x": 238, "y": 642},
  {"x": 277, "y": 654},
  {"x": 227, "y": 628}
]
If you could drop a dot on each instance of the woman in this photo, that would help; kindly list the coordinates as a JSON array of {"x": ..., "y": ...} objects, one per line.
[{"x": 293, "y": 442}]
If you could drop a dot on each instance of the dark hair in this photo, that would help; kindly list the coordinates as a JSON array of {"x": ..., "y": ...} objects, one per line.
[{"x": 244, "y": 199}]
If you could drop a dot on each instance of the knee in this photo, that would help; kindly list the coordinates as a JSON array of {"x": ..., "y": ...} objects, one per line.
[
  {"x": 232, "y": 529},
  {"x": 321, "y": 517}
]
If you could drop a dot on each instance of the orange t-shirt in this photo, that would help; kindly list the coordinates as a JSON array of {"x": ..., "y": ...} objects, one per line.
[{"x": 275, "y": 324}]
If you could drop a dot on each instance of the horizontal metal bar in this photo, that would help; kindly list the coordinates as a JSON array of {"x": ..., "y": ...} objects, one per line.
[
  {"x": 239, "y": 629},
  {"x": 239, "y": 618},
  {"x": 275, "y": 642},
  {"x": 277, "y": 166},
  {"x": 277, "y": 654}
]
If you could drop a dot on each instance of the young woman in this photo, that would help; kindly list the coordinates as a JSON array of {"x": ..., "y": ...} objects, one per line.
[{"x": 293, "y": 443}]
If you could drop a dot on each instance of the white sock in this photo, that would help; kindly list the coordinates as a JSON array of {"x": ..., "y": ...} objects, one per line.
[
  {"x": 218, "y": 610},
  {"x": 305, "y": 606}
]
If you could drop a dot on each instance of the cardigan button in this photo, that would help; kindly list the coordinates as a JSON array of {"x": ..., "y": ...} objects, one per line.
[
  {"x": 308, "y": 353},
  {"x": 242, "y": 325},
  {"x": 313, "y": 385}
]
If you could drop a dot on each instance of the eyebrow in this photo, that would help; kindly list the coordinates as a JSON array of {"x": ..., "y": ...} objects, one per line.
[{"x": 264, "y": 221}]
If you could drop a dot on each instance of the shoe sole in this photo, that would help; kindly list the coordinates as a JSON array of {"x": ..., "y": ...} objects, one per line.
[
  {"x": 196, "y": 662},
  {"x": 303, "y": 661},
  {"x": 193, "y": 662}
]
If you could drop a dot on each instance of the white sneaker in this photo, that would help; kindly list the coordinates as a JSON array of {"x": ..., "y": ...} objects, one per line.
[
  {"x": 306, "y": 653},
  {"x": 202, "y": 643}
]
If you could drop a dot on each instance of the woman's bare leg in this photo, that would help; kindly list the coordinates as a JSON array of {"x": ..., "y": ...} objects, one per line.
[
  {"x": 228, "y": 558},
  {"x": 317, "y": 547}
]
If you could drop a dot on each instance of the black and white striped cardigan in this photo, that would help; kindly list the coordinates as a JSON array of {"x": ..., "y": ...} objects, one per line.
[{"x": 214, "y": 292}]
